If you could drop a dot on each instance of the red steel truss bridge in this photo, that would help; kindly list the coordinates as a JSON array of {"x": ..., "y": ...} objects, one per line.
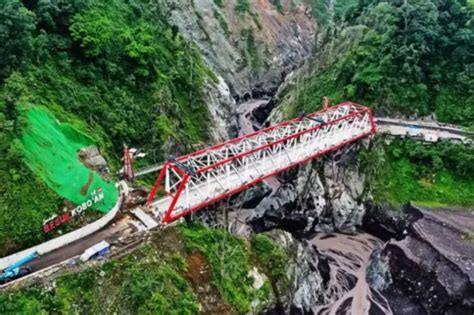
[{"x": 199, "y": 179}]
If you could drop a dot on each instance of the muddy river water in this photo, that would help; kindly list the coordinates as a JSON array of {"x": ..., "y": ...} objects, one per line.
[{"x": 349, "y": 257}]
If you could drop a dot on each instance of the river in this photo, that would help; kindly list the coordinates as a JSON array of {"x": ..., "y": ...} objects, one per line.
[{"x": 348, "y": 256}]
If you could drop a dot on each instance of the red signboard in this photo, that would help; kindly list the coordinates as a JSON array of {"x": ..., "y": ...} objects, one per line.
[
  {"x": 57, "y": 221},
  {"x": 51, "y": 224}
]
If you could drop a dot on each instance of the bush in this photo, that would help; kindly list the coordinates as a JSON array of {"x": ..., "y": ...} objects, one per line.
[
  {"x": 243, "y": 6},
  {"x": 222, "y": 22},
  {"x": 219, "y": 3},
  {"x": 272, "y": 257},
  {"x": 229, "y": 259},
  {"x": 278, "y": 6},
  {"x": 250, "y": 53}
]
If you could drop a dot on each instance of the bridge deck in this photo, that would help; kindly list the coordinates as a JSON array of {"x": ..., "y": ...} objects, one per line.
[{"x": 301, "y": 140}]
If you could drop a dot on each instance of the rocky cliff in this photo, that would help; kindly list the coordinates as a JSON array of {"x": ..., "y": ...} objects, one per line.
[
  {"x": 250, "y": 46},
  {"x": 323, "y": 196}
]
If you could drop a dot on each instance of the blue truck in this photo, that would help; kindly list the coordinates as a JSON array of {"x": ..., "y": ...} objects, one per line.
[{"x": 17, "y": 269}]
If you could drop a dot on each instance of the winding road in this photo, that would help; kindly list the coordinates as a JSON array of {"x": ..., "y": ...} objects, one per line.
[{"x": 427, "y": 131}]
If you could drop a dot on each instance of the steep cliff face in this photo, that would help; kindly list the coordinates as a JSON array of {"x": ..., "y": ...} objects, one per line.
[
  {"x": 250, "y": 46},
  {"x": 303, "y": 284},
  {"x": 325, "y": 196}
]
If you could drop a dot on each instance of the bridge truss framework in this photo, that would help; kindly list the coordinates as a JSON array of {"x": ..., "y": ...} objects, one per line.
[{"x": 202, "y": 178}]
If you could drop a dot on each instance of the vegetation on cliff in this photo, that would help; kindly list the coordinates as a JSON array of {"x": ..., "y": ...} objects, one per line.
[
  {"x": 113, "y": 69},
  {"x": 230, "y": 259},
  {"x": 400, "y": 57},
  {"x": 432, "y": 175}
]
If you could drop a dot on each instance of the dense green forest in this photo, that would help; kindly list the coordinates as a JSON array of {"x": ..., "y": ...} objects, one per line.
[
  {"x": 401, "y": 57},
  {"x": 113, "y": 69},
  {"x": 436, "y": 175}
]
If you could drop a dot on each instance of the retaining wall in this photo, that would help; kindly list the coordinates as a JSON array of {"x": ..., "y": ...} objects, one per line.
[{"x": 68, "y": 238}]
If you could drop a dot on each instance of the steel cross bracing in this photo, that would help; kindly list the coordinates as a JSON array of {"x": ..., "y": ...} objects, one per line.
[{"x": 204, "y": 177}]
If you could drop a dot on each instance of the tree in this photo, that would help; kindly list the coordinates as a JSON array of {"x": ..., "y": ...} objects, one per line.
[
  {"x": 401, "y": 57},
  {"x": 17, "y": 24}
]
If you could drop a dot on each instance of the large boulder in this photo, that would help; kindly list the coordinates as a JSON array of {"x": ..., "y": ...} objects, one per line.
[
  {"x": 429, "y": 265},
  {"x": 326, "y": 195}
]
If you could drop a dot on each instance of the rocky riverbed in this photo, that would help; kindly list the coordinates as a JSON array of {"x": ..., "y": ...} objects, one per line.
[
  {"x": 365, "y": 259},
  {"x": 429, "y": 268},
  {"x": 348, "y": 256},
  {"x": 417, "y": 261}
]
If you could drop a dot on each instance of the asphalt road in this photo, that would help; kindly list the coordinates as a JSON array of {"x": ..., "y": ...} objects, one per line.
[{"x": 112, "y": 232}]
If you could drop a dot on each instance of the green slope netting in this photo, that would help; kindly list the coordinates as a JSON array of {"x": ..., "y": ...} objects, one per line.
[{"x": 51, "y": 149}]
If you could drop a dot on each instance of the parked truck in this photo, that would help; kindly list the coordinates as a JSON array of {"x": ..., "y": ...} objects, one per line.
[
  {"x": 17, "y": 269},
  {"x": 98, "y": 250}
]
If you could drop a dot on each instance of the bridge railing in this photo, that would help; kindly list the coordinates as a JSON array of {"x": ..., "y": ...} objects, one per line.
[{"x": 209, "y": 175}]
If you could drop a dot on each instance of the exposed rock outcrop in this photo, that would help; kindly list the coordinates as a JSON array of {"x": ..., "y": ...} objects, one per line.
[
  {"x": 91, "y": 157},
  {"x": 427, "y": 267},
  {"x": 304, "y": 287},
  {"x": 222, "y": 108},
  {"x": 250, "y": 51},
  {"x": 321, "y": 196}
]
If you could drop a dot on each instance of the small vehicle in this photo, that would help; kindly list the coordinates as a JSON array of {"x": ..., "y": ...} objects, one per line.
[
  {"x": 17, "y": 270},
  {"x": 98, "y": 250},
  {"x": 414, "y": 131}
]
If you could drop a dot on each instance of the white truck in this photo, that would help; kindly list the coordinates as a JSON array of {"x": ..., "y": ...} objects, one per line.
[{"x": 97, "y": 250}]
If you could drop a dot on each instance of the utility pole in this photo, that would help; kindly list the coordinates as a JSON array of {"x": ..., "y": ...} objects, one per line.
[
  {"x": 326, "y": 102},
  {"x": 226, "y": 214},
  {"x": 128, "y": 164}
]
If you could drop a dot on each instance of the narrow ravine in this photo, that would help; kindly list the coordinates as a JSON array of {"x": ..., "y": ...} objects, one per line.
[
  {"x": 415, "y": 262},
  {"x": 247, "y": 122},
  {"x": 348, "y": 256}
]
